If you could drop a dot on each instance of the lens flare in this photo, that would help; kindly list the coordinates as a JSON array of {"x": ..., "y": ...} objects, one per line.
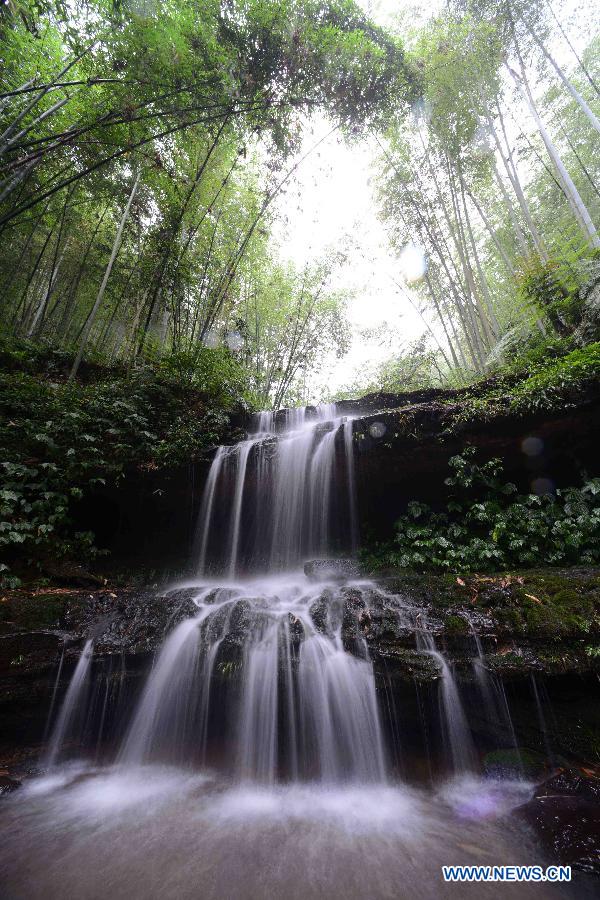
[
  {"x": 211, "y": 339},
  {"x": 377, "y": 429},
  {"x": 234, "y": 341},
  {"x": 413, "y": 263}
]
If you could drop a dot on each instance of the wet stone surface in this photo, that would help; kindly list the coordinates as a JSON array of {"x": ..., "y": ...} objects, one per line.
[{"x": 565, "y": 815}]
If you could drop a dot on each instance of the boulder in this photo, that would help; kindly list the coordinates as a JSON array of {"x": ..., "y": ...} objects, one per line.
[{"x": 565, "y": 814}]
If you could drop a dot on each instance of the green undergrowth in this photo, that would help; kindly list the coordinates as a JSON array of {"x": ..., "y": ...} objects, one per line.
[
  {"x": 60, "y": 440},
  {"x": 486, "y": 525},
  {"x": 550, "y": 376},
  {"x": 556, "y": 380},
  {"x": 545, "y": 604}
]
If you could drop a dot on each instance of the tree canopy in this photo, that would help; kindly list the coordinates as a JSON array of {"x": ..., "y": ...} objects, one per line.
[
  {"x": 142, "y": 146},
  {"x": 145, "y": 144}
]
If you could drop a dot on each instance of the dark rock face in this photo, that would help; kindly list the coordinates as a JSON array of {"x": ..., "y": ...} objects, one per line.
[
  {"x": 565, "y": 815},
  {"x": 402, "y": 453},
  {"x": 327, "y": 569}
]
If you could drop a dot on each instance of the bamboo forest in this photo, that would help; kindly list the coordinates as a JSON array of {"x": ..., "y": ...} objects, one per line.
[{"x": 299, "y": 470}]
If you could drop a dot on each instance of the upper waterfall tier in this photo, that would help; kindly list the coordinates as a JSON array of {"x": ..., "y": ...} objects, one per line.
[{"x": 280, "y": 496}]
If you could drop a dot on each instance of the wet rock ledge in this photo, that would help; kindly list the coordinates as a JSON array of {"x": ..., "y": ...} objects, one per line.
[{"x": 543, "y": 622}]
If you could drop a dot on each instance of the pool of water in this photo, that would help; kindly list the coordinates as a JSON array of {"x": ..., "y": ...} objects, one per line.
[{"x": 155, "y": 832}]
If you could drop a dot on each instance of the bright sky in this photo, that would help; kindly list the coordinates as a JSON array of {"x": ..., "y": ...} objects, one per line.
[{"x": 331, "y": 204}]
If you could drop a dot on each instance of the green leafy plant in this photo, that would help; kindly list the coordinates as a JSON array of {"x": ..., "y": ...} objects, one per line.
[
  {"x": 488, "y": 526},
  {"x": 60, "y": 441}
]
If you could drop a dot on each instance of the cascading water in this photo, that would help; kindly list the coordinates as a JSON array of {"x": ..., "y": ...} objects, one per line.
[
  {"x": 299, "y": 686},
  {"x": 493, "y": 693},
  {"x": 283, "y": 495},
  {"x": 270, "y": 683},
  {"x": 73, "y": 706},
  {"x": 306, "y": 708},
  {"x": 455, "y": 727}
]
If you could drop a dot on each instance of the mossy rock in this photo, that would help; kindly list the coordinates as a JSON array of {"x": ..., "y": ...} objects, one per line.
[
  {"x": 509, "y": 663},
  {"x": 543, "y": 603},
  {"x": 410, "y": 665},
  {"x": 455, "y": 624},
  {"x": 559, "y": 607}
]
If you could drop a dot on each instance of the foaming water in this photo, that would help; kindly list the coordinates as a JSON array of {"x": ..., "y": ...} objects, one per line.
[
  {"x": 303, "y": 696},
  {"x": 157, "y": 832}
]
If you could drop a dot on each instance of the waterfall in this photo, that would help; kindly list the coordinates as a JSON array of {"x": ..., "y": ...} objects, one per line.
[
  {"x": 454, "y": 720},
  {"x": 352, "y": 505},
  {"x": 73, "y": 706},
  {"x": 167, "y": 710},
  {"x": 302, "y": 706},
  {"x": 491, "y": 689},
  {"x": 320, "y": 476},
  {"x": 279, "y": 497},
  {"x": 272, "y": 676},
  {"x": 243, "y": 452},
  {"x": 206, "y": 509},
  {"x": 258, "y": 720},
  {"x": 339, "y": 711},
  {"x": 543, "y": 725}
]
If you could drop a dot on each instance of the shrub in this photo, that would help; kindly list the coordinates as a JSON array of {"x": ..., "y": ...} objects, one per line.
[
  {"x": 59, "y": 440},
  {"x": 488, "y": 526}
]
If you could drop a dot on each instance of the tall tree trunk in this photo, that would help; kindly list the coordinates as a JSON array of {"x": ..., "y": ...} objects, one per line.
[
  {"x": 63, "y": 326},
  {"x": 23, "y": 299},
  {"x": 430, "y": 330},
  {"x": 9, "y": 131},
  {"x": 36, "y": 322},
  {"x": 16, "y": 268},
  {"x": 492, "y": 233},
  {"x": 579, "y": 208},
  {"x": 17, "y": 137},
  {"x": 99, "y": 298},
  {"x": 573, "y": 50},
  {"x": 592, "y": 118},
  {"x": 582, "y": 165},
  {"x": 512, "y": 213},
  {"x": 56, "y": 262},
  {"x": 513, "y": 176},
  {"x": 487, "y": 297},
  {"x": 473, "y": 297},
  {"x": 442, "y": 319},
  {"x": 445, "y": 259}
]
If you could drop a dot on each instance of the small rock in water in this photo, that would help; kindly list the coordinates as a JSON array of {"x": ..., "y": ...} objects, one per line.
[
  {"x": 8, "y": 784},
  {"x": 328, "y": 569}
]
